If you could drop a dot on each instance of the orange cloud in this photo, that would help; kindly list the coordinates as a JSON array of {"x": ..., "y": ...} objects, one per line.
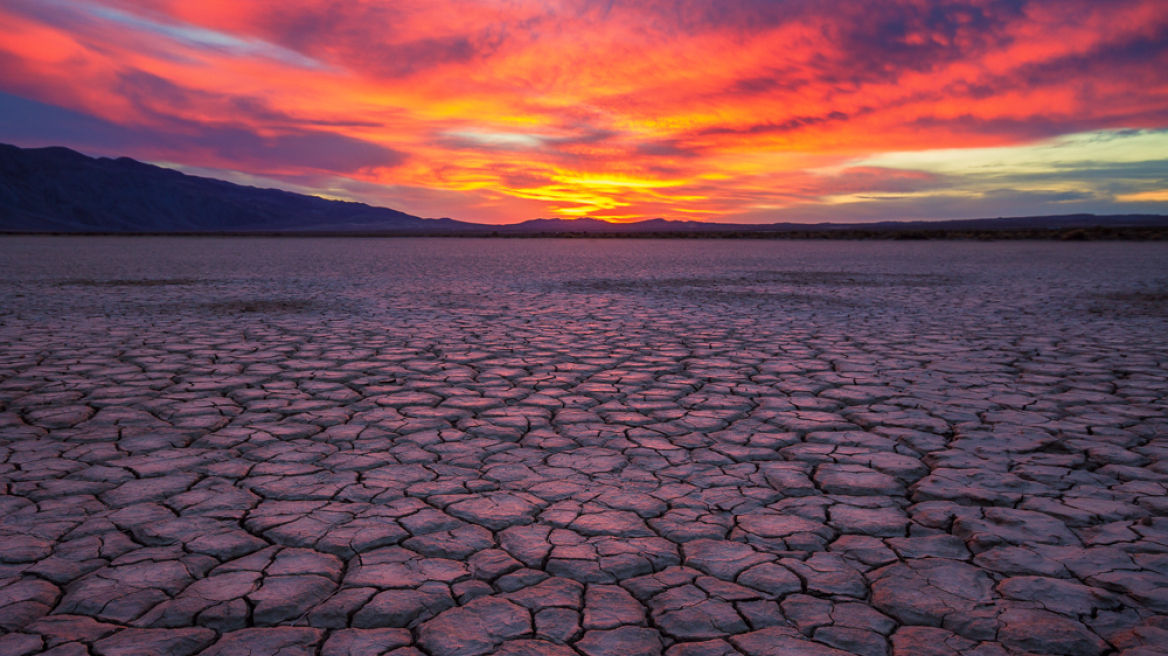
[{"x": 496, "y": 111}]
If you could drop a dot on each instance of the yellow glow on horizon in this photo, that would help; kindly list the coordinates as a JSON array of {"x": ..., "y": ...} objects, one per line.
[
  {"x": 1158, "y": 196},
  {"x": 1077, "y": 150}
]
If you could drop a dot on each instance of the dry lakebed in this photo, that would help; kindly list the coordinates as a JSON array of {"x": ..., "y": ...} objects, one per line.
[{"x": 548, "y": 447}]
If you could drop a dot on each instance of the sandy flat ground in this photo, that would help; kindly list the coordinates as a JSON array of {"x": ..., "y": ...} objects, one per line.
[{"x": 524, "y": 447}]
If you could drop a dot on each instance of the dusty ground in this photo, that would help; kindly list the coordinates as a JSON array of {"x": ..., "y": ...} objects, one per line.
[{"x": 433, "y": 447}]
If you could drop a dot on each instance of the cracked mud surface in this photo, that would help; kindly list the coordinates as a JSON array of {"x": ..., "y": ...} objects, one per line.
[{"x": 460, "y": 448}]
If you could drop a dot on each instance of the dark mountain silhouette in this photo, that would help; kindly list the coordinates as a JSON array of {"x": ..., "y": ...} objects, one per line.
[
  {"x": 57, "y": 189},
  {"x": 60, "y": 190}
]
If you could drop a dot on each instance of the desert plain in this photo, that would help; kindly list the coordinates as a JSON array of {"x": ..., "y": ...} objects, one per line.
[{"x": 556, "y": 447}]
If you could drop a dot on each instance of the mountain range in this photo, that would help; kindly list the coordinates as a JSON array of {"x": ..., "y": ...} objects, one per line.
[
  {"x": 60, "y": 190},
  {"x": 57, "y": 189}
]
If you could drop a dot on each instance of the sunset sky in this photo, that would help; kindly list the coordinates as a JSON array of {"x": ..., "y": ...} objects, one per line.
[{"x": 748, "y": 111}]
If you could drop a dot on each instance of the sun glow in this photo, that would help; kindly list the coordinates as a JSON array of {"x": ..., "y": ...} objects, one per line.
[{"x": 1157, "y": 196}]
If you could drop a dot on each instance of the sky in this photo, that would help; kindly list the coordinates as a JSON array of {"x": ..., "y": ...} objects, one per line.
[{"x": 743, "y": 111}]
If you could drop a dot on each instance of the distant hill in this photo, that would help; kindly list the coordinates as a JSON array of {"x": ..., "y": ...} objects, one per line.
[
  {"x": 1059, "y": 222},
  {"x": 60, "y": 190},
  {"x": 57, "y": 189}
]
